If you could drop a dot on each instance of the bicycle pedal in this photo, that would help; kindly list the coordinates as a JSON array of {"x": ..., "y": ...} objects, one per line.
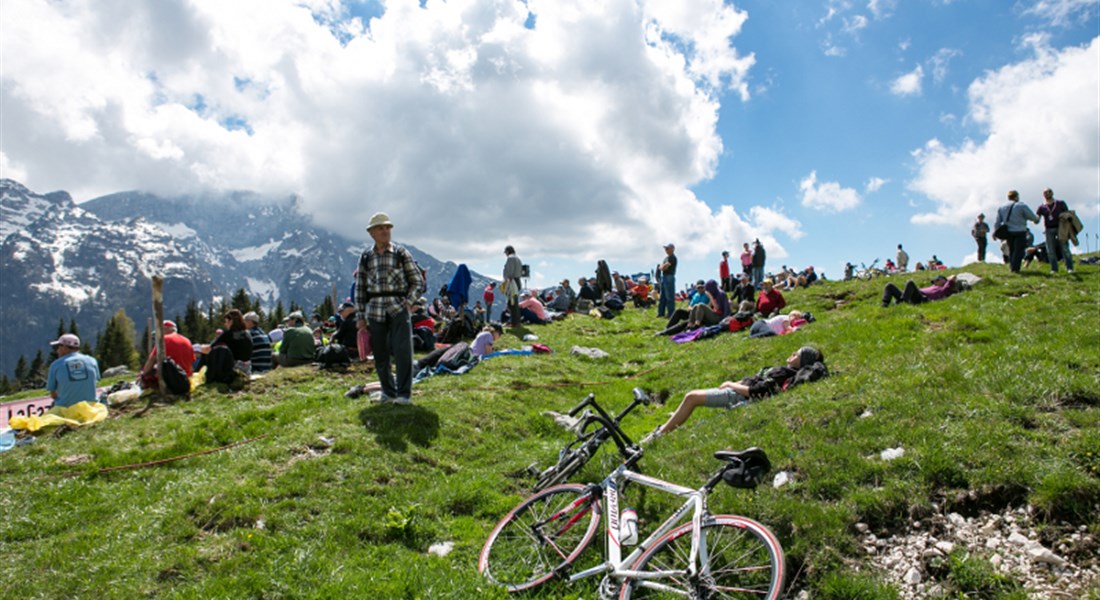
[{"x": 533, "y": 469}]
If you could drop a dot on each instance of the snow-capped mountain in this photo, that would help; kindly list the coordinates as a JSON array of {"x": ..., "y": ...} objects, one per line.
[{"x": 63, "y": 261}]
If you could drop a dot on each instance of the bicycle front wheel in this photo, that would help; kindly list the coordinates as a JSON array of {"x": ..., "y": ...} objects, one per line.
[
  {"x": 743, "y": 560},
  {"x": 543, "y": 533}
]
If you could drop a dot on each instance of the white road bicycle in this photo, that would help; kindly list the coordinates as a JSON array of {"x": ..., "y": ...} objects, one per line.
[{"x": 712, "y": 556}]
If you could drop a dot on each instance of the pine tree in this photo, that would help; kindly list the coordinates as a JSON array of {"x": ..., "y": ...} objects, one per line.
[
  {"x": 241, "y": 301},
  {"x": 20, "y": 369},
  {"x": 60, "y": 328},
  {"x": 145, "y": 335},
  {"x": 194, "y": 325},
  {"x": 277, "y": 316},
  {"x": 72, "y": 327},
  {"x": 5, "y": 385},
  {"x": 36, "y": 375},
  {"x": 326, "y": 308},
  {"x": 117, "y": 347}
]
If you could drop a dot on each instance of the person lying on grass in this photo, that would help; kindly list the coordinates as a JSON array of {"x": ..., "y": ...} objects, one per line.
[
  {"x": 941, "y": 288},
  {"x": 803, "y": 365}
]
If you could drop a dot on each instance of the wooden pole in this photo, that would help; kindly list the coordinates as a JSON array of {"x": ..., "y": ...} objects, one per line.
[{"x": 158, "y": 324}]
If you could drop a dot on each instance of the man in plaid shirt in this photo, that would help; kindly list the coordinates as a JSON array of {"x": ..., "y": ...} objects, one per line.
[{"x": 388, "y": 283}]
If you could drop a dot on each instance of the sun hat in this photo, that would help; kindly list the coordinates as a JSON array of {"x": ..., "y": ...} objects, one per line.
[
  {"x": 379, "y": 219},
  {"x": 68, "y": 340}
]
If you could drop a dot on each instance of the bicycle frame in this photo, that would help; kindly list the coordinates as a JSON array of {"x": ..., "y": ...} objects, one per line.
[{"x": 620, "y": 568}]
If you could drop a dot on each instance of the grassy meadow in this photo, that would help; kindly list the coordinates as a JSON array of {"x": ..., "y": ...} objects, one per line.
[{"x": 993, "y": 393}]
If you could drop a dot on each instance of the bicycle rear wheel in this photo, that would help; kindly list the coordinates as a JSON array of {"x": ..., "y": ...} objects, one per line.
[
  {"x": 544, "y": 532},
  {"x": 744, "y": 560}
]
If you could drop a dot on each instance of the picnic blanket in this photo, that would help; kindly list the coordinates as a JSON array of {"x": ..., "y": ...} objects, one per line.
[{"x": 81, "y": 413}]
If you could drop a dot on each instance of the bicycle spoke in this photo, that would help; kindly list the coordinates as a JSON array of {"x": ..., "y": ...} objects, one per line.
[
  {"x": 743, "y": 561},
  {"x": 543, "y": 532}
]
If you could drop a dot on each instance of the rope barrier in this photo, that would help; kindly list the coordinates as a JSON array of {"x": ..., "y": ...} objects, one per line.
[
  {"x": 162, "y": 461},
  {"x": 532, "y": 386}
]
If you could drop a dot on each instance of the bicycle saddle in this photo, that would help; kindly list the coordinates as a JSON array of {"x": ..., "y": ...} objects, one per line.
[
  {"x": 746, "y": 468},
  {"x": 746, "y": 454}
]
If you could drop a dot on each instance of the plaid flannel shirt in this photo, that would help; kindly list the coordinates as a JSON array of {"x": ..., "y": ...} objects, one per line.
[{"x": 390, "y": 269}]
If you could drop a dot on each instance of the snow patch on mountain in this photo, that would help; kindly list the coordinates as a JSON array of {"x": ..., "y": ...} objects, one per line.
[
  {"x": 264, "y": 288},
  {"x": 254, "y": 252},
  {"x": 178, "y": 230}
]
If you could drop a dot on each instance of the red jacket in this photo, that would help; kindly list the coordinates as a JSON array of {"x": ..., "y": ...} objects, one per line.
[{"x": 770, "y": 302}]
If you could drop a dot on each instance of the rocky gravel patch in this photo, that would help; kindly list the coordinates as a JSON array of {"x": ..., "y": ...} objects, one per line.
[{"x": 1052, "y": 562}]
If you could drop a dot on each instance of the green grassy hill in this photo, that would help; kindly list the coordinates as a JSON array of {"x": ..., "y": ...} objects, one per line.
[{"x": 994, "y": 394}]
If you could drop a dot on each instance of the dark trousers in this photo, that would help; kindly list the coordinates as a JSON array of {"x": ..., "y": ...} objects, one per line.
[
  {"x": 981, "y": 248},
  {"x": 1017, "y": 244},
  {"x": 529, "y": 316},
  {"x": 1056, "y": 247},
  {"x": 392, "y": 342},
  {"x": 910, "y": 295}
]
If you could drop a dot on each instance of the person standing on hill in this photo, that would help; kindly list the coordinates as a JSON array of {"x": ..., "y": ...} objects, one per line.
[
  {"x": 724, "y": 272},
  {"x": 1051, "y": 210},
  {"x": 758, "y": 259},
  {"x": 72, "y": 377},
  {"x": 979, "y": 231},
  {"x": 387, "y": 290},
  {"x": 1015, "y": 216},
  {"x": 513, "y": 273},
  {"x": 666, "y": 304},
  {"x": 902, "y": 259},
  {"x": 746, "y": 260},
  {"x": 488, "y": 296}
]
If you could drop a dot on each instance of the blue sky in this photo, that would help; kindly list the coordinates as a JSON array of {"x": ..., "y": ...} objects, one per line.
[{"x": 574, "y": 130}]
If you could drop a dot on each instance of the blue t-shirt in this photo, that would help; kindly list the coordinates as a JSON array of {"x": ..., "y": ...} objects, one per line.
[{"x": 73, "y": 377}]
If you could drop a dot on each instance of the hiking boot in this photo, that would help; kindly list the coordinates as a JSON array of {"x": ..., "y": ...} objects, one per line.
[
  {"x": 402, "y": 400},
  {"x": 355, "y": 391}
]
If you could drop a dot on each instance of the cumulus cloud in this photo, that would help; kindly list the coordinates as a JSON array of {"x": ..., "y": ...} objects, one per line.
[
  {"x": 875, "y": 184},
  {"x": 556, "y": 124},
  {"x": 1062, "y": 12},
  {"x": 827, "y": 195},
  {"x": 908, "y": 84},
  {"x": 1039, "y": 128}
]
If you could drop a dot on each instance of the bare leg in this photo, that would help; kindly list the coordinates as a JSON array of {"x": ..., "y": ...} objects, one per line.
[{"x": 692, "y": 399}]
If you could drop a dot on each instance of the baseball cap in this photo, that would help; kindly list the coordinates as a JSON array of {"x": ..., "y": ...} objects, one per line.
[
  {"x": 670, "y": 245},
  {"x": 69, "y": 340},
  {"x": 171, "y": 324}
]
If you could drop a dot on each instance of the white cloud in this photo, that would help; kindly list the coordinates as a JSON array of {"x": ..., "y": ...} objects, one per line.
[
  {"x": 875, "y": 184},
  {"x": 469, "y": 128},
  {"x": 881, "y": 9},
  {"x": 9, "y": 170},
  {"x": 827, "y": 195},
  {"x": 940, "y": 62},
  {"x": 1039, "y": 128},
  {"x": 1063, "y": 12},
  {"x": 908, "y": 84},
  {"x": 854, "y": 24}
]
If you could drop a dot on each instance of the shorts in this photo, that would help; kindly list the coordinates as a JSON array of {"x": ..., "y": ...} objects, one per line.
[{"x": 723, "y": 398}]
